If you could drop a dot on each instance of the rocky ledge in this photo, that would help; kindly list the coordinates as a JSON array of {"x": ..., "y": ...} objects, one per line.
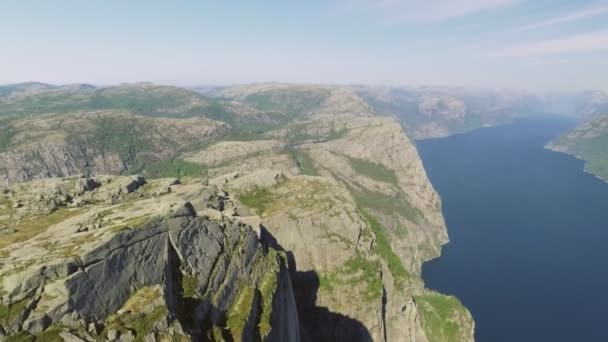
[{"x": 122, "y": 259}]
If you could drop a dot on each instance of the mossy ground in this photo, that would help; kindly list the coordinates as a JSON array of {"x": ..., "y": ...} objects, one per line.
[
  {"x": 138, "y": 315},
  {"x": 384, "y": 249},
  {"x": 189, "y": 286},
  {"x": 12, "y": 311},
  {"x": 444, "y": 318},
  {"x": 240, "y": 312},
  {"x": 303, "y": 160},
  {"x": 34, "y": 225},
  {"x": 268, "y": 287},
  {"x": 293, "y": 195},
  {"x": 373, "y": 170},
  {"x": 358, "y": 271}
]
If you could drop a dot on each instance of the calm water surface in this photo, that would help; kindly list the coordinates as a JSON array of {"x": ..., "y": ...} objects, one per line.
[{"x": 529, "y": 234}]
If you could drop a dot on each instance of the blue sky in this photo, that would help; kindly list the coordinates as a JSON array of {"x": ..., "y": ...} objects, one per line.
[{"x": 528, "y": 44}]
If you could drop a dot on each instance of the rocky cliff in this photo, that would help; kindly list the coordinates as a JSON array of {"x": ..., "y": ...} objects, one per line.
[
  {"x": 118, "y": 258},
  {"x": 309, "y": 182}
]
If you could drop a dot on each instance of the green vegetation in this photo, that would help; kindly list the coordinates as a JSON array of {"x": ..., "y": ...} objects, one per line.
[
  {"x": 303, "y": 161},
  {"x": 365, "y": 271},
  {"x": 298, "y": 193},
  {"x": 267, "y": 290},
  {"x": 21, "y": 337},
  {"x": 35, "y": 225},
  {"x": 148, "y": 100},
  {"x": 268, "y": 287},
  {"x": 144, "y": 102},
  {"x": 122, "y": 136},
  {"x": 12, "y": 311},
  {"x": 373, "y": 170},
  {"x": 243, "y": 135},
  {"x": 595, "y": 153},
  {"x": 383, "y": 247},
  {"x": 291, "y": 102},
  {"x": 442, "y": 317},
  {"x": 135, "y": 318},
  {"x": 144, "y": 324},
  {"x": 6, "y": 134},
  {"x": 259, "y": 199},
  {"x": 359, "y": 270},
  {"x": 386, "y": 204},
  {"x": 189, "y": 286},
  {"x": 240, "y": 312},
  {"x": 51, "y": 334}
]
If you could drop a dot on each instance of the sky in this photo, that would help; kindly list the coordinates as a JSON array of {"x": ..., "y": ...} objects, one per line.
[{"x": 526, "y": 44}]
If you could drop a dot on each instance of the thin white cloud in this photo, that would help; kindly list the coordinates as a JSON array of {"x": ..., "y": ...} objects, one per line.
[
  {"x": 424, "y": 10},
  {"x": 577, "y": 43},
  {"x": 576, "y": 16}
]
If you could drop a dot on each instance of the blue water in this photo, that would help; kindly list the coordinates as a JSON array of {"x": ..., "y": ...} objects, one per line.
[{"x": 529, "y": 234}]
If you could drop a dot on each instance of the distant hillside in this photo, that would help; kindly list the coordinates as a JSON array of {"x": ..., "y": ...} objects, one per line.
[
  {"x": 431, "y": 112},
  {"x": 588, "y": 141}
]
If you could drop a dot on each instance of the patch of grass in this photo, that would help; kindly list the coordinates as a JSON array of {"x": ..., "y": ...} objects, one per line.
[
  {"x": 303, "y": 161},
  {"x": 328, "y": 281},
  {"x": 356, "y": 271},
  {"x": 243, "y": 135},
  {"x": 442, "y": 317},
  {"x": 386, "y": 204},
  {"x": 134, "y": 318},
  {"x": 365, "y": 271},
  {"x": 21, "y": 337},
  {"x": 10, "y": 312},
  {"x": 268, "y": 288},
  {"x": 384, "y": 249},
  {"x": 189, "y": 286},
  {"x": 144, "y": 324},
  {"x": 259, "y": 199},
  {"x": 240, "y": 312},
  {"x": 51, "y": 334},
  {"x": 33, "y": 226},
  {"x": 373, "y": 170}
]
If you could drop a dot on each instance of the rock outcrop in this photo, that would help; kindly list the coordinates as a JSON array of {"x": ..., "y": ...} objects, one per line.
[
  {"x": 181, "y": 267},
  {"x": 96, "y": 143}
]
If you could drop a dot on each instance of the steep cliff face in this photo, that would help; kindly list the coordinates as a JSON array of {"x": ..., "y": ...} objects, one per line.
[
  {"x": 96, "y": 143},
  {"x": 171, "y": 267},
  {"x": 348, "y": 281},
  {"x": 336, "y": 194},
  {"x": 374, "y": 221}
]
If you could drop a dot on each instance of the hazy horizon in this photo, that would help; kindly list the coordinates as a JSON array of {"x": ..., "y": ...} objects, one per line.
[{"x": 515, "y": 44}]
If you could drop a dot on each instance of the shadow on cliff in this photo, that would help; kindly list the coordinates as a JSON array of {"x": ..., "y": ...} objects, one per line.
[{"x": 316, "y": 323}]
